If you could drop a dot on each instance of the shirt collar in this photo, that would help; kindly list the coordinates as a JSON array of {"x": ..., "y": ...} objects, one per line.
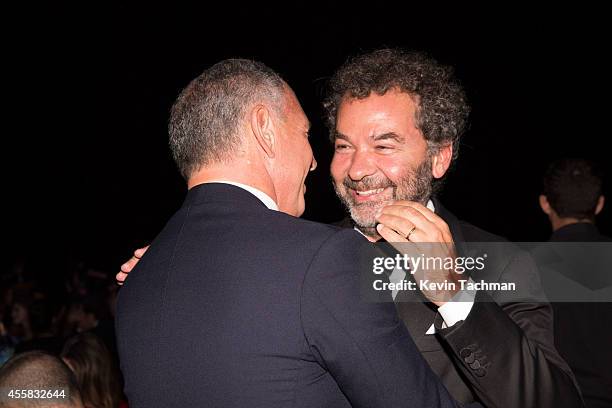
[{"x": 263, "y": 197}]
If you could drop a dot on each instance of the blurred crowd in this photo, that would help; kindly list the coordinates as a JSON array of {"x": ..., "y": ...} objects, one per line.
[{"x": 72, "y": 320}]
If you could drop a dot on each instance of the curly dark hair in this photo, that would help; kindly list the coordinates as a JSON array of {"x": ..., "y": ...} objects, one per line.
[
  {"x": 442, "y": 108},
  {"x": 573, "y": 187}
]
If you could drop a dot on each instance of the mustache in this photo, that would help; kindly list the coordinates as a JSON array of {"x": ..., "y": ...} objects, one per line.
[{"x": 368, "y": 183}]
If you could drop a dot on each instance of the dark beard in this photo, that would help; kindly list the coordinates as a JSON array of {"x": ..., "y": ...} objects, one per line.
[{"x": 415, "y": 186}]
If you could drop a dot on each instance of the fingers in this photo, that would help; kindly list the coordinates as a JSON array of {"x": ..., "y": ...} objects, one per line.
[
  {"x": 389, "y": 234},
  {"x": 402, "y": 226},
  {"x": 127, "y": 267},
  {"x": 141, "y": 251},
  {"x": 120, "y": 278},
  {"x": 398, "y": 241},
  {"x": 406, "y": 214},
  {"x": 426, "y": 212},
  {"x": 404, "y": 218}
]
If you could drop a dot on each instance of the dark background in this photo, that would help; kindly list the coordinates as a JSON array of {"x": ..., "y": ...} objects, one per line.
[{"x": 89, "y": 176}]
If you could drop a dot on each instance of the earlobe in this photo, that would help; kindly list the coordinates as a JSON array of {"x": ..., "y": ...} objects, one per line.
[
  {"x": 441, "y": 161},
  {"x": 262, "y": 129}
]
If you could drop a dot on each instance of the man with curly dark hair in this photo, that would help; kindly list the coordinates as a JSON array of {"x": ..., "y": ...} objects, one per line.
[
  {"x": 430, "y": 102},
  {"x": 395, "y": 119}
]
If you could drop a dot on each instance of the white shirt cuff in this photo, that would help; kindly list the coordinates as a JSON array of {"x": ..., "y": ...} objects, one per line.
[{"x": 455, "y": 310}]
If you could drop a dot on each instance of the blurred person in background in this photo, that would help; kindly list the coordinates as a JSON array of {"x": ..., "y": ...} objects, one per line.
[
  {"x": 572, "y": 197},
  {"x": 6, "y": 345},
  {"x": 94, "y": 369},
  {"x": 41, "y": 313},
  {"x": 21, "y": 325},
  {"x": 90, "y": 313}
]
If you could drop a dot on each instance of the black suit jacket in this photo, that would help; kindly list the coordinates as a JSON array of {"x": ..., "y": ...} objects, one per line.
[
  {"x": 503, "y": 354},
  {"x": 583, "y": 331},
  {"x": 235, "y": 305}
]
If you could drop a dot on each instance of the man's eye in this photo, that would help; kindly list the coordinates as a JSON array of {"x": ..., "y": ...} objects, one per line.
[
  {"x": 341, "y": 147},
  {"x": 380, "y": 147}
]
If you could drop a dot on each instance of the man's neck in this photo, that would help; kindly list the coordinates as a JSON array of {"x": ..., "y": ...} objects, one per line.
[
  {"x": 235, "y": 174},
  {"x": 558, "y": 223}
]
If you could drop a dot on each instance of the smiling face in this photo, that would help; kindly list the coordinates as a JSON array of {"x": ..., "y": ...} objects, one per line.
[{"x": 380, "y": 156}]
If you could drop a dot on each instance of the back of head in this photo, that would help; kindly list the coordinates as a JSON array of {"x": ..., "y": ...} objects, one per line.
[
  {"x": 573, "y": 187},
  {"x": 94, "y": 369},
  {"x": 36, "y": 370},
  {"x": 206, "y": 117}
]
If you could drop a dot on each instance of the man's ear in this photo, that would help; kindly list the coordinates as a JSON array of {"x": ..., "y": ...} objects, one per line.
[
  {"x": 441, "y": 160},
  {"x": 600, "y": 204},
  {"x": 544, "y": 204},
  {"x": 263, "y": 129}
]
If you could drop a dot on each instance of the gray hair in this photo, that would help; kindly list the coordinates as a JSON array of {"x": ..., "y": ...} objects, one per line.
[{"x": 206, "y": 117}]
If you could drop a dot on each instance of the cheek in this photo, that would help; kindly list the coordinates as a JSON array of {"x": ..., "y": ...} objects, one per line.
[
  {"x": 339, "y": 167},
  {"x": 393, "y": 168}
]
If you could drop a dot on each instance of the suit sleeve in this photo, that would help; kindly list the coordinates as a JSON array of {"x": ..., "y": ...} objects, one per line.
[
  {"x": 507, "y": 352},
  {"x": 364, "y": 345}
]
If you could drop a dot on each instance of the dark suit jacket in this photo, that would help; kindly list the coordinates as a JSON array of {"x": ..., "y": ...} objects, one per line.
[
  {"x": 503, "y": 354},
  {"x": 235, "y": 305},
  {"x": 583, "y": 331}
]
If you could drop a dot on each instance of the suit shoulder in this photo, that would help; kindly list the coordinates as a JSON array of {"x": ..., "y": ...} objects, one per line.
[
  {"x": 299, "y": 225},
  {"x": 325, "y": 239}
]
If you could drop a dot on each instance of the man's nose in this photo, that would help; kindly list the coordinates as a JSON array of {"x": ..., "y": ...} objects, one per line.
[
  {"x": 313, "y": 164},
  {"x": 362, "y": 166}
]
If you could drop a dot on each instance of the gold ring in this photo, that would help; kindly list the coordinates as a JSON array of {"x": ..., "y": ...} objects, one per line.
[{"x": 411, "y": 231}]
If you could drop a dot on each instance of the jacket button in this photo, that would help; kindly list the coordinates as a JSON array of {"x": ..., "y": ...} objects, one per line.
[
  {"x": 480, "y": 372},
  {"x": 465, "y": 352},
  {"x": 475, "y": 365},
  {"x": 470, "y": 359}
]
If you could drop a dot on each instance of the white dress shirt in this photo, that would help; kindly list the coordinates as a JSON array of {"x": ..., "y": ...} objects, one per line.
[{"x": 263, "y": 197}]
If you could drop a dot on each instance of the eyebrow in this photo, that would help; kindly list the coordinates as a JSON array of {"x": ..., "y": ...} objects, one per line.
[
  {"x": 383, "y": 136},
  {"x": 338, "y": 135},
  {"x": 389, "y": 135}
]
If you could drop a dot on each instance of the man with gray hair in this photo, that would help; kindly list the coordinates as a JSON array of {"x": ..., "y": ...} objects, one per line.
[{"x": 238, "y": 302}]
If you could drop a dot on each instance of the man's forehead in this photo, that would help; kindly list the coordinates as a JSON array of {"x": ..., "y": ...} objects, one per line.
[
  {"x": 388, "y": 116},
  {"x": 292, "y": 107},
  {"x": 392, "y": 98}
]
